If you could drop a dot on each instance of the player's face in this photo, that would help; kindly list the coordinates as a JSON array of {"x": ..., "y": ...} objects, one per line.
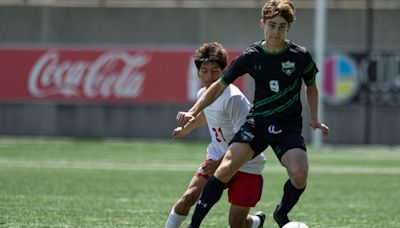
[
  {"x": 208, "y": 73},
  {"x": 275, "y": 30}
]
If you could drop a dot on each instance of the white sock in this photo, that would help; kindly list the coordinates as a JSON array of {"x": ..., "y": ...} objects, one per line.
[
  {"x": 174, "y": 220},
  {"x": 256, "y": 221}
]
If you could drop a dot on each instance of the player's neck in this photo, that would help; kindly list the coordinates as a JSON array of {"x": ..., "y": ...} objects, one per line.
[{"x": 273, "y": 47}]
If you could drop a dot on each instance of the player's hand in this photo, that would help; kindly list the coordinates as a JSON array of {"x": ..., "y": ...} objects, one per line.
[
  {"x": 184, "y": 117},
  {"x": 178, "y": 133},
  {"x": 316, "y": 124},
  {"x": 210, "y": 167}
]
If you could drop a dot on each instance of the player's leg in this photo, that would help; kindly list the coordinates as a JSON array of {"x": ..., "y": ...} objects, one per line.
[
  {"x": 296, "y": 163},
  {"x": 182, "y": 207},
  {"x": 239, "y": 217},
  {"x": 244, "y": 192},
  {"x": 235, "y": 157}
]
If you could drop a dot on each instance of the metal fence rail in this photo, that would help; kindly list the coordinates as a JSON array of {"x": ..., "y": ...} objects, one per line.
[{"x": 340, "y": 4}]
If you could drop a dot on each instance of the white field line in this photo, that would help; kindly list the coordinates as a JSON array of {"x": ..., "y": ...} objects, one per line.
[{"x": 117, "y": 166}]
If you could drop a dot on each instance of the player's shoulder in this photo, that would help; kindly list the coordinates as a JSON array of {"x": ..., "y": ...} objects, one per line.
[
  {"x": 296, "y": 48},
  {"x": 233, "y": 94},
  {"x": 202, "y": 89},
  {"x": 254, "y": 48},
  {"x": 233, "y": 90},
  {"x": 200, "y": 92}
]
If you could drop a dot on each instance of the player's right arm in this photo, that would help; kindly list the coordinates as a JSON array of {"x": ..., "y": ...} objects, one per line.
[
  {"x": 234, "y": 70},
  {"x": 211, "y": 94},
  {"x": 180, "y": 132}
]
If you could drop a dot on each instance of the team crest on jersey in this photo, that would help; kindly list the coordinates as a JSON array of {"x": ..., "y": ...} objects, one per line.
[{"x": 288, "y": 67}]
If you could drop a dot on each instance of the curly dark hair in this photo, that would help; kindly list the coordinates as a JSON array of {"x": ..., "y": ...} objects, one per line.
[
  {"x": 283, "y": 8},
  {"x": 211, "y": 52}
]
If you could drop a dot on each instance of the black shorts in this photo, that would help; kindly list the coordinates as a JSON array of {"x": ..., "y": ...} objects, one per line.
[{"x": 260, "y": 136}]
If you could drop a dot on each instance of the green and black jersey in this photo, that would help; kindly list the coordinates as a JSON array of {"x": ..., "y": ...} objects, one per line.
[{"x": 278, "y": 79}]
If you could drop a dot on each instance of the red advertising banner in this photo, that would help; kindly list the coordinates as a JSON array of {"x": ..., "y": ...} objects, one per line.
[{"x": 99, "y": 75}]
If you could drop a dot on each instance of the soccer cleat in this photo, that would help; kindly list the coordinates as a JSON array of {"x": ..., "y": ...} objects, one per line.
[
  {"x": 280, "y": 219},
  {"x": 261, "y": 215}
]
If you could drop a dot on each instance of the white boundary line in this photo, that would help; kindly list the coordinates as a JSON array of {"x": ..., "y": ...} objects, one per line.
[{"x": 116, "y": 166}]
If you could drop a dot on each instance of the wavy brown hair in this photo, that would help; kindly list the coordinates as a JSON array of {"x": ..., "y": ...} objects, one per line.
[
  {"x": 283, "y": 8},
  {"x": 211, "y": 52}
]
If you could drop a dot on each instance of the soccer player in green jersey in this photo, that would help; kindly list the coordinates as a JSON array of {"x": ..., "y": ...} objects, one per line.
[
  {"x": 279, "y": 68},
  {"x": 224, "y": 118}
]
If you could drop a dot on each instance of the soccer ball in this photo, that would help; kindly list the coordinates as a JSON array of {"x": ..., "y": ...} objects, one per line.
[{"x": 295, "y": 225}]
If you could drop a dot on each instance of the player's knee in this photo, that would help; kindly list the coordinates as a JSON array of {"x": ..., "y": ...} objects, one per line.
[
  {"x": 299, "y": 177},
  {"x": 224, "y": 171}
]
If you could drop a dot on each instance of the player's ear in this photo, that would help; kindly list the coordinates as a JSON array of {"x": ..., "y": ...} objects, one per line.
[
  {"x": 262, "y": 24},
  {"x": 288, "y": 27}
]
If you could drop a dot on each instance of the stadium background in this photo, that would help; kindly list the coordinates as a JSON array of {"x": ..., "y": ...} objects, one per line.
[{"x": 362, "y": 67}]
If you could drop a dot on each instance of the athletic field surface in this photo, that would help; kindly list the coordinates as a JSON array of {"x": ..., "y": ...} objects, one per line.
[{"x": 64, "y": 182}]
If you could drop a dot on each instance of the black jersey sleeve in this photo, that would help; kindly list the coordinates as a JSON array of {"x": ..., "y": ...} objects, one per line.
[
  {"x": 310, "y": 71},
  {"x": 235, "y": 69}
]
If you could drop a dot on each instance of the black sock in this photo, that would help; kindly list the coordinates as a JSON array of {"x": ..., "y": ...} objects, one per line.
[
  {"x": 211, "y": 194},
  {"x": 290, "y": 197}
]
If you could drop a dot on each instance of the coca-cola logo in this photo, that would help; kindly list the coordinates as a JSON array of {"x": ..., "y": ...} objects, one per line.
[{"x": 114, "y": 74}]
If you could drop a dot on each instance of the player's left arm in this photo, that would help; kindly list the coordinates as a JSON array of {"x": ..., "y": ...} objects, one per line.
[
  {"x": 312, "y": 98},
  {"x": 309, "y": 75}
]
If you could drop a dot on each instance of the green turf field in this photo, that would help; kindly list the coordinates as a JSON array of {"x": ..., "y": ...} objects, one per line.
[{"x": 134, "y": 183}]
